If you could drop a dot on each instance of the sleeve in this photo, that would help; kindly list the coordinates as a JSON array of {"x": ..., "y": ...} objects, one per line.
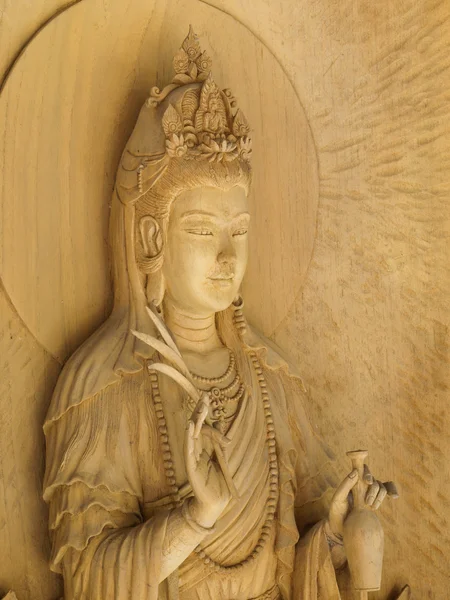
[
  {"x": 307, "y": 459},
  {"x": 99, "y": 540},
  {"x": 314, "y": 467},
  {"x": 314, "y": 574},
  {"x": 306, "y": 477}
]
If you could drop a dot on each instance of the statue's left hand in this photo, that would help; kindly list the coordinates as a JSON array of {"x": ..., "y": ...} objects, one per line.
[{"x": 340, "y": 504}]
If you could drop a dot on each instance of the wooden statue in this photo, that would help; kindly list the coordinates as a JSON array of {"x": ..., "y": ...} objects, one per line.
[{"x": 180, "y": 459}]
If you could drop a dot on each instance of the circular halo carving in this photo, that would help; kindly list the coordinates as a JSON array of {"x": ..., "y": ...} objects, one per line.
[{"x": 67, "y": 110}]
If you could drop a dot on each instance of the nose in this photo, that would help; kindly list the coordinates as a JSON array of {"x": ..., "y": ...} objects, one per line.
[{"x": 226, "y": 254}]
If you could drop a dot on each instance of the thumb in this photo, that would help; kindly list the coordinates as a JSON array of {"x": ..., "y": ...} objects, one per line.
[{"x": 341, "y": 493}]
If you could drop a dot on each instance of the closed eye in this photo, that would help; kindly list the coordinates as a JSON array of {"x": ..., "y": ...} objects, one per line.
[
  {"x": 242, "y": 231},
  {"x": 199, "y": 231}
]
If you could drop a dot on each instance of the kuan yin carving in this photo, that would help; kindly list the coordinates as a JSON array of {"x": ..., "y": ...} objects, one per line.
[{"x": 180, "y": 459}]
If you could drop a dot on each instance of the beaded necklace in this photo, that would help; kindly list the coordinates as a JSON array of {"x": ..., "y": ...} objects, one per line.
[
  {"x": 223, "y": 400},
  {"x": 221, "y": 378},
  {"x": 273, "y": 479}
]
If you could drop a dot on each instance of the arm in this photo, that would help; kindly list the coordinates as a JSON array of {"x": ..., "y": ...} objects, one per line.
[
  {"x": 128, "y": 561},
  {"x": 183, "y": 535}
]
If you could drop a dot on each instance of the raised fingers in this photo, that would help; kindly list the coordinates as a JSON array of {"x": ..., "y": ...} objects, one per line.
[
  {"x": 189, "y": 449},
  {"x": 215, "y": 436},
  {"x": 368, "y": 477},
  {"x": 200, "y": 413},
  {"x": 380, "y": 496},
  {"x": 372, "y": 493},
  {"x": 376, "y": 494}
]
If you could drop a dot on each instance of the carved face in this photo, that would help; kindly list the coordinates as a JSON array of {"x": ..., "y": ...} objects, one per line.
[
  {"x": 206, "y": 250},
  {"x": 213, "y": 104}
]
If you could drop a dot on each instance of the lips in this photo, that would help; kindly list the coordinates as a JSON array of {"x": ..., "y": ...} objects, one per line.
[
  {"x": 222, "y": 280},
  {"x": 222, "y": 276}
]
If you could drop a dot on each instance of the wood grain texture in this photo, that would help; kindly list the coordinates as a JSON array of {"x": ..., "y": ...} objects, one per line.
[
  {"x": 370, "y": 328},
  {"x": 28, "y": 377},
  {"x": 19, "y": 21}
]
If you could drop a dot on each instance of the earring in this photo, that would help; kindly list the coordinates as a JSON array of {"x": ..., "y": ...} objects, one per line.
[{"x": 238, "y": 317}]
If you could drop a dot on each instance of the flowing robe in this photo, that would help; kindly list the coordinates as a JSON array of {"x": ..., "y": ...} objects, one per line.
[{"x": 110, "y": 500}]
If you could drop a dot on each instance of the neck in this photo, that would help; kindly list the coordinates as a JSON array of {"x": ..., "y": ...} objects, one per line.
[{"x": 192, "y": 333}]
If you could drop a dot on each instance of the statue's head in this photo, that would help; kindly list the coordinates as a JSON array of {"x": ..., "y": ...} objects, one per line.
[
  {"x": 190, "y": 155},
  {"x": 201, "y": 241}
]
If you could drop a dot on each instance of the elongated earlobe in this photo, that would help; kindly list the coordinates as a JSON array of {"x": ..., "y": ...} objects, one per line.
[
  {"x": 150, "y": 247},
  {"x": 151, "y": 259},
  {"x": 156, "y": 288},
  {"x": 151, "y": 237}
]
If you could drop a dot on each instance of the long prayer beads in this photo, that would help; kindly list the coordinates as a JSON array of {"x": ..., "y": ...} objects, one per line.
[
  {"x": 272, "y": 499},
  {"x": 164, "y": 439}
]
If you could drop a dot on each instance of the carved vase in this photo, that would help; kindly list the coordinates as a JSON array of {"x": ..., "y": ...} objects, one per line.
[{"x": 363, "y": 535}]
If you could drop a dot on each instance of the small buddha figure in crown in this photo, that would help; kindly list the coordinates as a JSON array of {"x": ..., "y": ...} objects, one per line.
[
  {"x": 181, "y": 463},
  {"x": 213, "y": 118}
]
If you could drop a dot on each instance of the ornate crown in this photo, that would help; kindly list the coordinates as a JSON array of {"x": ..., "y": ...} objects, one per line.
[{"x": 205, "y": 123}]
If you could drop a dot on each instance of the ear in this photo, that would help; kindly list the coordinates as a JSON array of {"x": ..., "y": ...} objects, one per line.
[{"x": 151, "y": 236}]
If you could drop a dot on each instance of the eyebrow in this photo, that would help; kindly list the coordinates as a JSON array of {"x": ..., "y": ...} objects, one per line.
[{"x": 203, "y": 213}]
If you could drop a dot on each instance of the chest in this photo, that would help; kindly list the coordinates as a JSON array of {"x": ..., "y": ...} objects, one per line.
[{"x": 239, "y": 409}]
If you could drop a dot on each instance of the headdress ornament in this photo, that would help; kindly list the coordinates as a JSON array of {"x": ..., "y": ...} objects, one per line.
[
  {"x": 189, "y": 119},
  {"x": 205, "y": 123}
]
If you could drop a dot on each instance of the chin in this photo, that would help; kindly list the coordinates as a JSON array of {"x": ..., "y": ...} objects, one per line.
[{"x": 220, "y": 300}]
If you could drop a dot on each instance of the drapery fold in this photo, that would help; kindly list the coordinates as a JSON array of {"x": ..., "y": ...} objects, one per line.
[
  {"x": 314, "y": 572},
  {"x": 97, "y": 490}
]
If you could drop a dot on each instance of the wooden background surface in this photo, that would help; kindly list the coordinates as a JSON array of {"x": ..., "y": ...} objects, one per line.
[{"x": 363, "y": 88}]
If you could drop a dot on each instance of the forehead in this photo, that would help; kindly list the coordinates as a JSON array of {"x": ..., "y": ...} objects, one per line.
[{"x": 222, "y": 204}]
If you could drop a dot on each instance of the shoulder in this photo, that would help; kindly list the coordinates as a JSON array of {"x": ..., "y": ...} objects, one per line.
[
  {"x": 91, "y": 372},
  {"x": 124, "y": 394},
  {"x": 279, "y": 371},
  {"x": 96, "y": 442},
  {"x": 272, "y": 357}
]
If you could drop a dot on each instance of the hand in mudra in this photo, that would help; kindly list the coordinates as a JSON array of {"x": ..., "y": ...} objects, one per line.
[
  {"x": 375, "y": 493},
  {"x": 211, "y": 493}
]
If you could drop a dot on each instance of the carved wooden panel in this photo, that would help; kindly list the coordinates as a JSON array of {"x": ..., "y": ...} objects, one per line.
[{"x": 368, "y": 326}]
